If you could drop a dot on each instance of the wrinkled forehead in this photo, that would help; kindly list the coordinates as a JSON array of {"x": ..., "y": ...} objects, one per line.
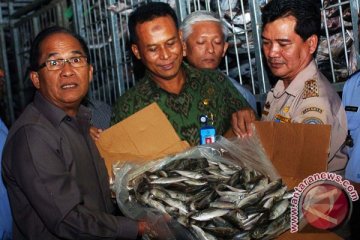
[
  {"x": 151, "y": 27},
  {"x": 206, "y": 29},
  {"x": 58, "y": 43},
  {"x": 206, "y": 22},
  {"x": 207, "y": 25}
]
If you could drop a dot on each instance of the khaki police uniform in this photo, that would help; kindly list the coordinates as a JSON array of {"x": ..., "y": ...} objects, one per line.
[{"x": 311, "y": 99}]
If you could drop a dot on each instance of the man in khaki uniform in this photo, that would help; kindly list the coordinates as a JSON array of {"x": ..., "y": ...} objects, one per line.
[
  {"x": 302, "y": 94},
  {"x": 310, "y": 99}
]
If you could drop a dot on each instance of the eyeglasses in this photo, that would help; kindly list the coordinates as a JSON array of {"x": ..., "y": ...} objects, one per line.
[{"x": 57, "y": 64}]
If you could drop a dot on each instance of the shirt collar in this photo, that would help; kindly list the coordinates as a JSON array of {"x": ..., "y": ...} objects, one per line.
[
  {"x": 297, "y": 84},
  {"x": 56, "y": 115}
]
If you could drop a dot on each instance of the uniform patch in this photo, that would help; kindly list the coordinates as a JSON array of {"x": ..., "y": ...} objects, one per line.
[
  {"x": 351, "y": 108},
  {"x": 312, "y": 109},
  {"x": 312, "y": 120},
  {"x": 310, "y": 89},
  {"x": 282, "y": 119}
]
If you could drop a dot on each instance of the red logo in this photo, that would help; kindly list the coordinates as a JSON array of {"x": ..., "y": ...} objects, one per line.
[
  {"x": 325, "y": 206},
  {"x": 209, "y": 140}
]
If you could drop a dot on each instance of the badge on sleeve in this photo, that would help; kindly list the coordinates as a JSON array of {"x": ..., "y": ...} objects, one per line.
[
  {"x": 312, "y": 120},
  {"x": 312, "y": 109},
  {"x": 310, "y": 89}
]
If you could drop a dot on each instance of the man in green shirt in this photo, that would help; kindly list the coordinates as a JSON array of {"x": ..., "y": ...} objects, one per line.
[{"x": 182, "y": 92}]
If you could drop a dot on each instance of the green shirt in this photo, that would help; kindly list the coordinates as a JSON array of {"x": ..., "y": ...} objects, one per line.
[{"x": 206, "y": 92}]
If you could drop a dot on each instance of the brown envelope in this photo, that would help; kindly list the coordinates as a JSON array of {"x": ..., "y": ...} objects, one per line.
[{"x": 145, "y": 135}]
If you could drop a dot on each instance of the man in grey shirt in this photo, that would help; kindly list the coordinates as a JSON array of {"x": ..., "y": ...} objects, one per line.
[{"x": 57, "y": 182}]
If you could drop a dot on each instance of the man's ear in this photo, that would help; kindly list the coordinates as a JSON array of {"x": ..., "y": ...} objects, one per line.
[
  {"x": 312, "y": 42},
  {"x": 135, "y": 50},
  {"x": 34, "y": 76},
  {"x": 183, "y": 43},
  {"x": 91, "y": 70},
  {"x": 226, "y": 45}
]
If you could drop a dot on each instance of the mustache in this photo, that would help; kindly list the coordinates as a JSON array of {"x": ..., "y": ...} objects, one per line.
[{"x": 275, "y": 61}]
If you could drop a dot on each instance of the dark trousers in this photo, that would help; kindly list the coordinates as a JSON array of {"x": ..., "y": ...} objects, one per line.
[{"x": 354, "y": 223}]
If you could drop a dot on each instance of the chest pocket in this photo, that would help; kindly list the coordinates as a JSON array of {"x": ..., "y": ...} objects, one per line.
[{"x": 353, "y": 117}]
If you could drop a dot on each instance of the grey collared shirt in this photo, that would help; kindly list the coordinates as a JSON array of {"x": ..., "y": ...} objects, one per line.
[{"x": 57, "y": 181}]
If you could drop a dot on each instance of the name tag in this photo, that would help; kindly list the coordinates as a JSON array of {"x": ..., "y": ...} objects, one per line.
[{"x": 351, "y": 108}]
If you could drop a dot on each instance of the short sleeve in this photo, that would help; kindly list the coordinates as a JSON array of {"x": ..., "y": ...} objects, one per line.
[{"x": 314, "y": 110}]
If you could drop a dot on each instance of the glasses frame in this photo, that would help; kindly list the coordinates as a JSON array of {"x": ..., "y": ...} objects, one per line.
[{"x": 68, "y": 60}]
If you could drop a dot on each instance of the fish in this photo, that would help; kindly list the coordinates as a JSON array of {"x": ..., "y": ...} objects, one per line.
[
  {"x": 163, "y": 174},
  {"x": 187, "y": 164},
  {"x": 218, "y": 173},
  {"x": 249, "y": 223},
  {"x": 234, "y": 191},
  {"x": 168, "y": 180},
  {"x": 205, "y": 201},
  {"x": 289, "y": 194},
  {"x": 276, "y": 194},
  {"x": 260, "y": 184},
  {"x": 278, "y": 209},
  {"x": 245, "y": 235},
  {"x": 282, "y": 222},
  {"x": 236, "y": 217},
  {"x": 227, "y": 170},
  {"x": 223, "y": 205},
  {"x": 209, "y": 213},
  {"x": 249, "y": 200},
  {"x": 267, "y": 203},
  {"x": 221, "y": 222},
  {"x": 158, "y": 193},
  {"x": 259, "y": 232},
  {"x": 176, "y": 203},
  {"x": 202, "y": 234},
  {"x": 234, "y": 179},
  {"x": 189, "y": 174},
  {"x": 195, "y": 182},
  {"x": 215, "y": 199},
  {"x": 153, "y": 203},
  {"x": 271, "y": 186},
  {"x": 255, "y": 209}
]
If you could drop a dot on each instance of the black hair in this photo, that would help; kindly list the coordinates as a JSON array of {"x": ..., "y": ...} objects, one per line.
[
  {"x": 148, "y": 12},
  {"x": 306, "y": 12},
  {"x": 35, "y": 45}
]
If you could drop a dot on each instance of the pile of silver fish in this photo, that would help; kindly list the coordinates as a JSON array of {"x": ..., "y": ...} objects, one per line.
[{"x": 216, "y": 200}]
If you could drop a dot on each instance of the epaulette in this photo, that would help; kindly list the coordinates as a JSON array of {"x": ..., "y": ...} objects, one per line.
[{"x": 310, "y": 89}]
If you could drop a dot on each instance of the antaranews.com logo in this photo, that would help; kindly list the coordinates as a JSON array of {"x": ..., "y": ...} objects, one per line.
[{"x": 323, "y": 200}]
